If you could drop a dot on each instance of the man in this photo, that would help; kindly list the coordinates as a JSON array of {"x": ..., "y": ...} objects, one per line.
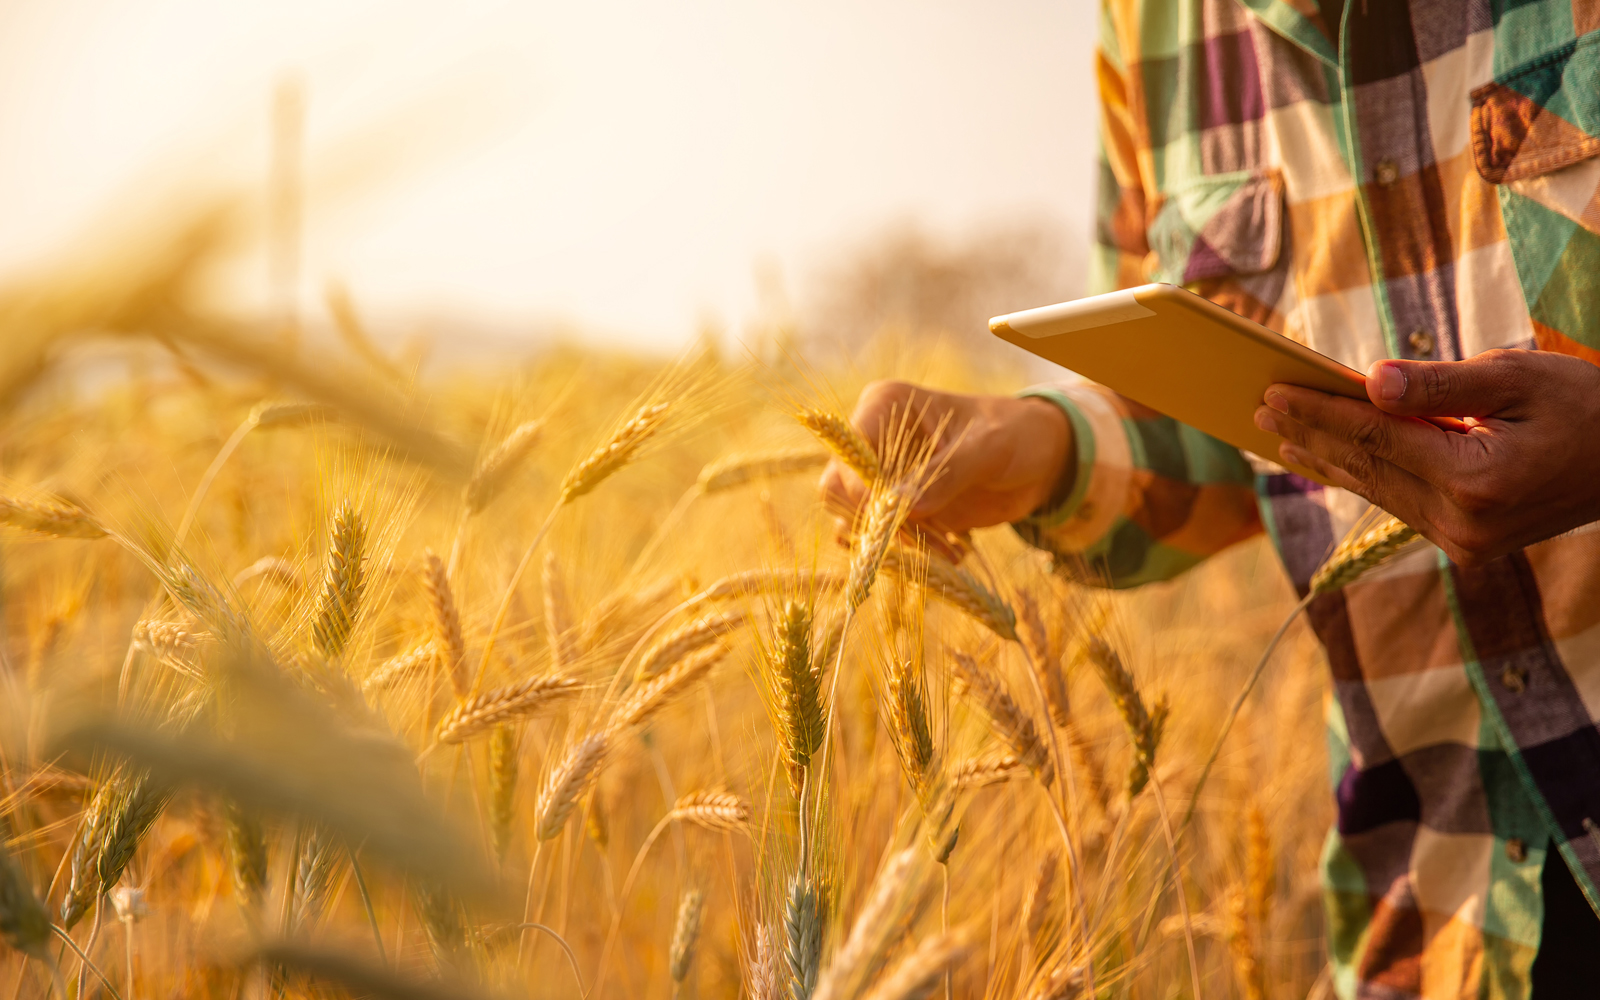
[{"x": 1408, "y": 188}]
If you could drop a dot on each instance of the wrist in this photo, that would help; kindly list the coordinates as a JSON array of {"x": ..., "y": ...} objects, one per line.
[{"x": 1051, "y": 450}]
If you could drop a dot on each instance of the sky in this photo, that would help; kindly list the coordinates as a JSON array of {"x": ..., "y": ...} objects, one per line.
[{"x": 620, "y": 166}]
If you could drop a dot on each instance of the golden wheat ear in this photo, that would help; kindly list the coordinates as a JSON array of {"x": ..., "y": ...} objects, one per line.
[{"x": 1361, "y": 551}]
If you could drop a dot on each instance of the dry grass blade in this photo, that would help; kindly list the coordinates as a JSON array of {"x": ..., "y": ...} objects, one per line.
[
  {"x": 839, "y": 436},
  {"x": 482, "y": 712},
  {"x": 921, "y": 972},
  {"x": 714, "y": 810},
  {"x": 498, "y": 466},
  {"x": 1361, "y": 551},
  {"x": 56, "y": 518},
  {"x": 343, "y": 582},
  {"x": 686, "y": 934},
  {"x": 1144, "y": 725},
  {"x": 690, "y": 638},
  {"x": 1009, "y": 721},
  {"x": 737, "y": 470},
  {"x": 449, "y": 644},
  {"x": 568, "y": 782},
  {"x": 654, "y": 695},
  {"x": 617, "y": 451}
]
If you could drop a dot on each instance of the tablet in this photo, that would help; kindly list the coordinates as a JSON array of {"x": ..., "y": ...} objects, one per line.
[{"x": 1180, "y": 354}]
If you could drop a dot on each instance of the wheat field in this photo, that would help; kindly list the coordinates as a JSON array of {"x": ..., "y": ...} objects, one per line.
[{"x": 323, "y": 677}]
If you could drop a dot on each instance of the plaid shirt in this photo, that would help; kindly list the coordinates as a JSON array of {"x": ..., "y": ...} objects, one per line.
[{"x": 1396, "y": 179}]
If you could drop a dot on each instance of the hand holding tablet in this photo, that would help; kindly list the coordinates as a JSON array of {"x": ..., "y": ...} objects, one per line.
[{"x": 1183, "y": 355}]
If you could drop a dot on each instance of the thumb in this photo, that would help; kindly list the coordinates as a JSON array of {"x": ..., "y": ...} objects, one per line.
[{"x": 1477, "y": 387}]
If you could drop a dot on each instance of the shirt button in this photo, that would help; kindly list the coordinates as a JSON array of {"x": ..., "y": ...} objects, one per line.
[
  {"x": 1386, "y": 172},
  {"x": 1421, "y": 342},
  {"x": 1514, "y": 678},
  {"x": 1516, "y": 850}
]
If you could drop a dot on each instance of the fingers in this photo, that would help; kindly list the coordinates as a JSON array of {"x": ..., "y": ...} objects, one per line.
[
  {"x": 1358, "y": 435},
  {"x": 1487, "y": 384},
  {"x": 1350, "y": 465}
]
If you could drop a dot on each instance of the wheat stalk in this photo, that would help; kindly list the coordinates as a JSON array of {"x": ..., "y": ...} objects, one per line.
[
  {"x": 344, "y": 579},
  {"x": 1359, "y": 552},
  {"x": 131, "y": 811},
  {"x": 886, "y": 512},
  {"x": 496, "y": 468},
  {"x": 958, "y": 588},
  {"x": 839, "y": 436},
  {"x": 56, "y": 518},
  {"x": 282, "y": 415},
  {"x": 685, "y": 934},
  {"x": 247, "y": 854},
  {"x": 908, "y": 718},
  {"x": 759, "y": 582},
  {"x": 175, "y": 644},
  {"x": 504, "y": 750},
  {"x": 448, "y": 642},
  {"x": 1144, "y": 725},
  {"x": 1241, "y": 946},
  {"x": 398, "y": 669},
  {"x": 24, "y": 924},
  {"x": 1260, "y": 880},
  {"x": 314, "y": 874},
  {"x": 82, "y": 880},
  {"x": 737, "y": 470},
  {"x": 920, "y": 972},
  {"x": 763, "y": 975},
  {"x": 558, "y": 616},
  {"x": 992, "y": 769},
  {"x": 568, "y": 782},
  {"x": 516, "y": 701},
  {"x": 714, "y": 810},
  {"x": 652, "y": 696},
  {"x": 271, "y": 568},
  {"x": 798, "y": 691},
  {"x": 1036, "y": 905},
  {"x": 617, "y": 451},
  {"x": 687, "y": 639},
  {"x": 1035, "y": 638},
  {"x": 861, "y": 954},
  {"x": 1009, "y": 721},
  {"x": 802, "y": 925}
]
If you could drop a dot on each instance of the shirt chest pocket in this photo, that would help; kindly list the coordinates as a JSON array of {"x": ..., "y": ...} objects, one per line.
[
  {"x": 1219, "y": 226},
  {"x": 1536, "y": 137}
]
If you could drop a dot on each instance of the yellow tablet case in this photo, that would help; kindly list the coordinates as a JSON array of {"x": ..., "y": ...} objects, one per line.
[{"x": 1180, "y": 354}]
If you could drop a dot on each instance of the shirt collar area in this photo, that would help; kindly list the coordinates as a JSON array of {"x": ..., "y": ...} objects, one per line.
[{"x": 1298, "y": 26}]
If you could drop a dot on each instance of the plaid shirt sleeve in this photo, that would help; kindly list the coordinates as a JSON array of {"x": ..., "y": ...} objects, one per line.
[{"x": 1152, "y": 497}]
